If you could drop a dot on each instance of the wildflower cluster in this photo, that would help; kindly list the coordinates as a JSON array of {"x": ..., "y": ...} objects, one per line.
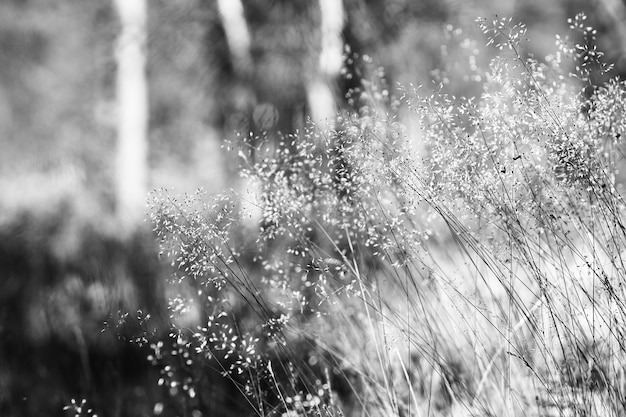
[{"x": 80, "y": 409}]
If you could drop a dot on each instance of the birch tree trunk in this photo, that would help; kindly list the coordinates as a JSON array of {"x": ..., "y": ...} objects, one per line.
[
  {"x": 320, "y": 95},
  {"x": 132, "y": 113},
  {"x": 239, "y": 43},
  {"x": 237, "y": 34}
]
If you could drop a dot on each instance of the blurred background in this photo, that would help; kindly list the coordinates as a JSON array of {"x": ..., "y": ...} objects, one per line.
[{"x": 103, "y": 101}]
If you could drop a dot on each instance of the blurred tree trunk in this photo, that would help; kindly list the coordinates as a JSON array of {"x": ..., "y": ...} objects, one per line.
[
  {"x": 616, "y": 12},
  {"x": 132, "y": 116},
  {"x": 237, "y": 34},
  {"x": 320, "y": 95}
]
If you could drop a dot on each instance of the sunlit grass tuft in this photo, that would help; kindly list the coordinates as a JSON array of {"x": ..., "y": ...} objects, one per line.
[{"x": 482, "y": 275}]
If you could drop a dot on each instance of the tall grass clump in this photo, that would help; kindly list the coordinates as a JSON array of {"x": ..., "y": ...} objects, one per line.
[{"x": 472, "y": 267}]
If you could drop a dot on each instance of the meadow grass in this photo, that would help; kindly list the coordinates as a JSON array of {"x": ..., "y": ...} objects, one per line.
[{"x": 472, "y": 267}]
